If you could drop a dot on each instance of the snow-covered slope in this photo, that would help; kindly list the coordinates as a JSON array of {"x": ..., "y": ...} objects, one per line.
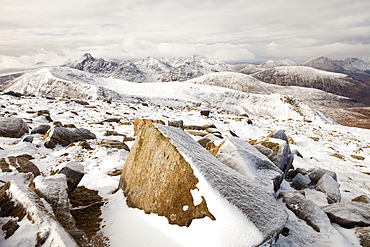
[
  {"x": 66, "y": 82},
  {"x": 331, "y": 82}
]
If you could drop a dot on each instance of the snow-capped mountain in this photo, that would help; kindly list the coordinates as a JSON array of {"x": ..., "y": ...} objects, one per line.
[
  {"x": 152, "y": 69},
  {"x": 347, "y": 65},
  {"x": 253, "y": 68}
]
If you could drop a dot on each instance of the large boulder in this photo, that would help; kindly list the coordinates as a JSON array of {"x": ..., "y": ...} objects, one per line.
[
  {"x": 169, "y": 174},
  {"x": 66, "y": 136},
  {"x": 316, "y": 174},
  {"x": 13, "y": 127},
  {"x": 349, "y": 214},
  {"x": 248, "y": 161}
]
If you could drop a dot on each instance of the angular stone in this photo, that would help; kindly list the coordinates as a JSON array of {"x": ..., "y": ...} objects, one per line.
[
  {"x": 74, "y": 171},
  {"x": 162, "y": 175},
  {"x": 12, "y": 127},
  {"x": 24, "y": 165},
  {"x": 4, "y": 166},
  {"x": 362, "y": 198},
  {"x": 280, "y": 134},
  {"x": 349, "y": 214},
  {"x": 330, "y": 187},
  {"x": 114, "y": 144},
  {"x": 206, "y": 139}
]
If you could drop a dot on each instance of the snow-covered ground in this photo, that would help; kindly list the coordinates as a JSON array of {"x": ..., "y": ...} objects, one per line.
[{"x": 124, "y": 226}]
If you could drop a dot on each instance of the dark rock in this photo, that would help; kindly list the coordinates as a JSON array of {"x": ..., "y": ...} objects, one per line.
[
  {"x": 349, "y": 214},
  {"x": 41, "y": 129},
  {"x": 300, "y": 182},
  {"x": 69, "y": 126},
  {"x": 50, "y": 144},
  {"x": 43, "y": 112},
  {"x": 65, "y": 136},
  {"x": 74, "y": 172},
  {"x": 306, "y": 210},
  {"x": 4, "y": 166},
  {"x": 176, "y": 123},
  {"x": 28, "y": 139},
  {"x": 292, "y": 173},
  {"x": 9, "y": 228},
  {"x": 316, "y": 174},
  {"x": 206, "y": 139},
  {"x": 12, "y": 127},
  {"x": 205, "y": 113},
  {"x": 15, "y": 94},
  {"x": 363, "y": 234},
  {"x": 24, "y": 165},
  {"x": 81, "y": 102},
  {"x": 280, "y": 134},
  {"x": 330, "y": 187}
]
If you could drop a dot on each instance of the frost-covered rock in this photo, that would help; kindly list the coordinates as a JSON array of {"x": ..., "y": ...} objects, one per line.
[
  {"x": 12, "y": 127},
  {"x": 316, "y": 174},
  {"x": 306, "y": 210},
  {"x": 278, "y": 151},
  {"x": 280, "y": 134},
  {"x": 248, "y": 161},
  {"x": 41, "y": 129},
  {"x": 168, "y": 173},
  {"x": 349, "y": 214},
  {"x": 17, "y": 200},
  {"x": 300, "y": 181},
  {"x": 330, "y": 187},
  {"x": 66, "y": 136}
]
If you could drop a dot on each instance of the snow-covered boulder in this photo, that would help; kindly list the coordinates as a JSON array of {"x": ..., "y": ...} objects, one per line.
[
  {"x": 248, "y": 161},
  {"x": 54, "y": 190},
  {"x": 170, "y": 174},
  {"x": 12, "y": 127},
  {"x": 37, "y": 226},
  {"x": 66, "y": 136},
  {"x": 330, "y": 187},
  {"x": 349, "y": 214},
  {"x": 74, "y": 171}
]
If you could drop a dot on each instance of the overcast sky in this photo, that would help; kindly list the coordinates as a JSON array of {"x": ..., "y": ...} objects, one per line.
[{"x": 53, "y": 31}]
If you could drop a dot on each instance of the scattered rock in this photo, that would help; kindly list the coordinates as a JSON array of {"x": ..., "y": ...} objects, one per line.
[
  {"x": 85, "y": 145},
  {"x": 357, "y": 157},
  {"x": 207, "y": 139},
  {"x": 15, "y": 94},
  {"x": 12, "y": 127},
  {"x": 339, "y": 156},
  {"x": 114, "y": 144},
  {"x": 328, "y": 185},
  {"x": 81, "y": 102},
  {"x": 10, "y": 227},
  {"x": 306, "y": 210},
  {"x": 197, "y": 133},
  {"x": 43, "y": 112},
  {"x": 4, "y": 166},
  {"x": 113, "y": 133},
  {"x": 24, "y": 165},
  {"x": 349, "y": 214},
  {"x": 362, "y": 198},
  {"x": 28, "y": 139},
  {"x": 176, "y": 123},
  {"x": 280, "y": 134},
  {"x": 205, "y": 113}
]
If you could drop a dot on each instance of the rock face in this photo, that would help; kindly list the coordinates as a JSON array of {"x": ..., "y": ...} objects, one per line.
[
  {"x": 165, "y": 173},
  {"x": 349, "y": 214},
  {"x": 12, "y": 127},
  {"x": 66, "y": 136}
]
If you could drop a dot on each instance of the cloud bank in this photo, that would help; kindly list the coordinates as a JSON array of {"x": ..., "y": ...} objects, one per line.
[{"x": 56, "y": 32}]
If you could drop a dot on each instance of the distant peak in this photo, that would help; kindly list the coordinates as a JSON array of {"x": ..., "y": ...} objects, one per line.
[{"x": 88, "y": 56}]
